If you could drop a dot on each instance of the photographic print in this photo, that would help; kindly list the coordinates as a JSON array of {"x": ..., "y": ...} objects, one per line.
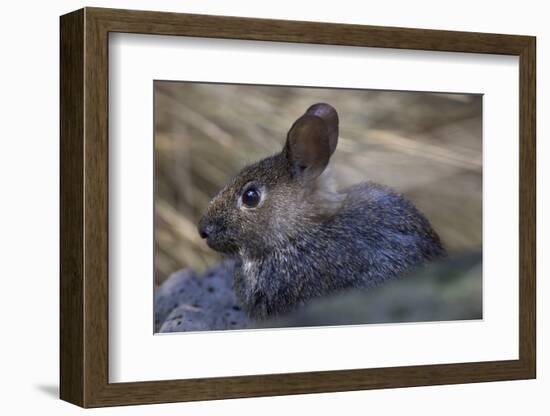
[{"x": 282, "y": 206}]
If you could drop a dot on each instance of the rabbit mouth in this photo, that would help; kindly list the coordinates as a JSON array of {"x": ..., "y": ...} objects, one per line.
[
  {"x": 218, "y": 242},
  {"x": 215, "y": 244},
  {"x": 221, "y": 246}
]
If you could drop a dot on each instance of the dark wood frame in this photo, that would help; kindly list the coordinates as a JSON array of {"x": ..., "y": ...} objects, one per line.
[{"x": 84, "y": 207}]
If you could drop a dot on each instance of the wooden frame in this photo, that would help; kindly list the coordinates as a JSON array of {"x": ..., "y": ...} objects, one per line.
[{"x": 84, "y": 207}]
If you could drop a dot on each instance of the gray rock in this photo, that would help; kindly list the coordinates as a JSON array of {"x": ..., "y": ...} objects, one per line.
[{"x": 187, "y": 301}]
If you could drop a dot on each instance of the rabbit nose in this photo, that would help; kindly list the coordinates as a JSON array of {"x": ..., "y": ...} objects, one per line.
[{"x": 205, "y": 229}]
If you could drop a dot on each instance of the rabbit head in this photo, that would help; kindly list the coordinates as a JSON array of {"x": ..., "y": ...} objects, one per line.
[{"x": 271, "y": 202}]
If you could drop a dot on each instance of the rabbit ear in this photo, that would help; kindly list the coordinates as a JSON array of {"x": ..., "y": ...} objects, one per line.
[
  {"x": 328, "y": 114},
  {"x": 308, "y": 147},
  {"x": 312, "y": 140}
]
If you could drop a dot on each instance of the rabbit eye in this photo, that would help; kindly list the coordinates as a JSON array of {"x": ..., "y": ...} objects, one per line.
[{"x": 251, "y": 198}]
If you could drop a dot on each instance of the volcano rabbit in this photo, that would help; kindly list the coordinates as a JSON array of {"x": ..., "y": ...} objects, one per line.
[{"x": 297, "y": 238}]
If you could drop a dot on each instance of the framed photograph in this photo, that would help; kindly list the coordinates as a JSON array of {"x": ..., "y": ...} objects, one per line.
[{"x": 255, "y": 207}]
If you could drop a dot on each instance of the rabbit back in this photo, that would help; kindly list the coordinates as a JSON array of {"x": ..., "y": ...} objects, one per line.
[{"x": 389, "y": 233}]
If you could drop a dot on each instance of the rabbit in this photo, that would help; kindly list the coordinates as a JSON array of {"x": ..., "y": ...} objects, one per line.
[{"x": 296, "y": 238}]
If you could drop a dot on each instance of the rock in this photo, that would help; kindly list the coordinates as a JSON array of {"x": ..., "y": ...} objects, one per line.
[{"x": 187, "y": 301}]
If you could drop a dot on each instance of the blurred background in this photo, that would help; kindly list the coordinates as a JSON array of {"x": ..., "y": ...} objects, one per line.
[{"x": 427, "y": 146}]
